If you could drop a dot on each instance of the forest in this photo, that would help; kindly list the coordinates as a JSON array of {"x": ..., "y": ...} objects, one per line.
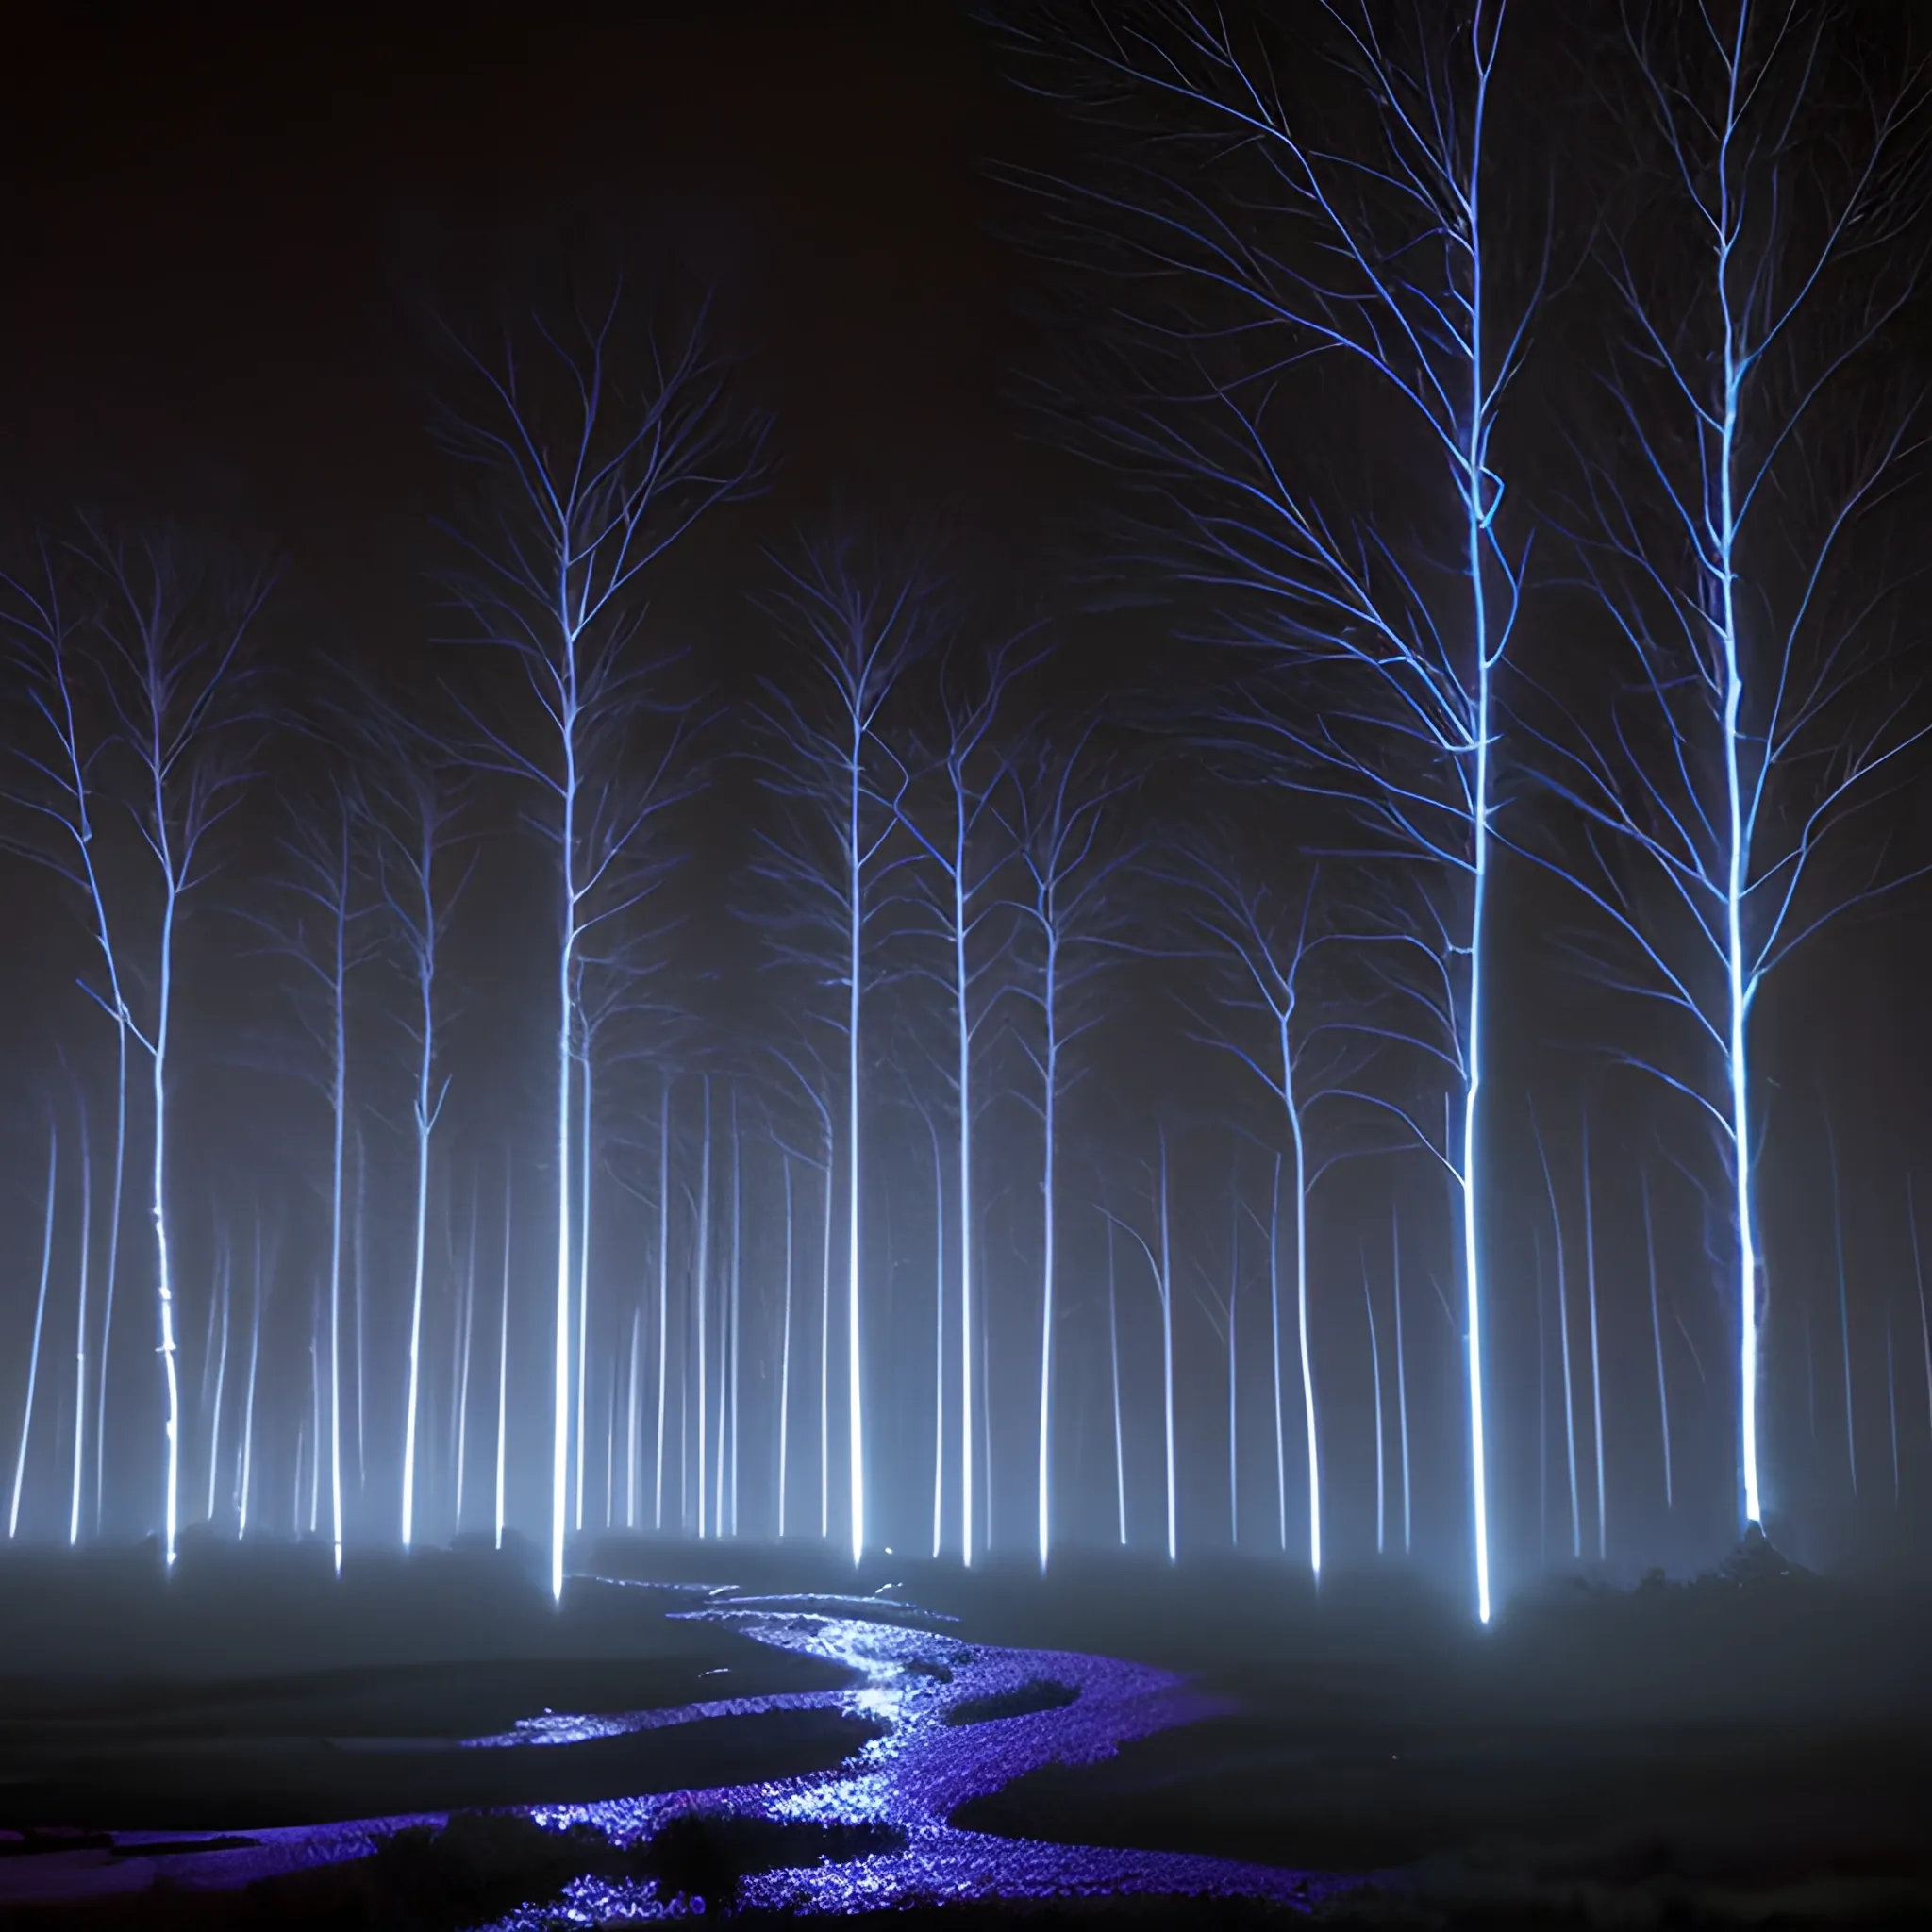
[{"x": 1362, "y": 1004}]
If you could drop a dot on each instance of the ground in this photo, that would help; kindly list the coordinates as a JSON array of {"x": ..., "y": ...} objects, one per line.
[{"x": 1754, "y": 1745}]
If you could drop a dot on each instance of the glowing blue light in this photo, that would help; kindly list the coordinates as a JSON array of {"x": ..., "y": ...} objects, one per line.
[{"x": 915, "y": 1683}]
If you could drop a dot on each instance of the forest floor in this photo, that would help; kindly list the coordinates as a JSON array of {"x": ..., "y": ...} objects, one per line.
[{"x": 1754, "y": 1747}]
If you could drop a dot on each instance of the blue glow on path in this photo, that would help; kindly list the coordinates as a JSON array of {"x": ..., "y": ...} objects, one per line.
[{"x": 913, "y": 1777}]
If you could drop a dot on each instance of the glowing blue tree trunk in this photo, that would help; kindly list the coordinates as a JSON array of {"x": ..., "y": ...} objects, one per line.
[
  {"x": 785, "y": 1356},
  {"x": 855, "y": 1226},
  {"x": 633, "y": 1404},
  {"x": 173, "y": 672},
  {"x": 1302, "y": 1185},
  {"x": 701, "y": 1280},
  {"x": 467, "y": 1318},
  {"x": 63, "y": 805},
  {"x": 116, "y": 1195},
  {"x": 1159, "y": 1264},
  {"x": 663, "y": 1294},
  {"x": 222, "y": 1269},
  {"x": 824, "y": 1353},
  {"x": 358, "y": 1251},
  {"x": 858, "y": 623},
  {"x": 1275, "y": 1354},
  {"x": 734, "y": 1306},
  {"x": 1056, "y": 831},
  {"x": 338, "y": 1110},
  {"x": 1113, "y": 1359},
  {"x": 1597, "y": 1374},
  {"x": 1234, "y": 1380},
  {"x": 1403, "y": 299},
  {"x": 1245, "y": 929},
  {"x": 1717, "y": 555},
  {"x": 938, "y": 1336},
  {"x": 325, "y": 887},
  {"x": 606, "y": 442},
  {"x": 583, "y": 1242},
  {"x": 82, "y": 1272},
  {"x": 33, "y": 1359},
  {"x": 412, "y": 1401},
  {"x": 416, "y": 828},
  {"x": 158, "y": 1196},
  {"x": 503, "y": 1358},
  {"x": 1401, "y": 1371},
  {"x": 1656, "y": 1337},
  {"x": 1381, "y": 1433},
  {"x": 969, "y": 775},
  {"x": 246, "y": 1491},
  {"x": 1166, "y": 1283}
]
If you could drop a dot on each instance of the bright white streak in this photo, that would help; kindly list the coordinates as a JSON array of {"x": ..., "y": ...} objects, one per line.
[
  {"x": 1657, "y": 1335},
  {"x": 938, "y": 1336},
  {"x": 1275, "y": 1354},
  {"x": 631, "y": 1404},
  {"x": 339, "y": 1076},
  {"x": 503, "y": 1354},
  {"x": 1596, "y": 1383},
  {"x": 825, "y": 1354},
  {"x": 566, "y": 713},
  {"x": 785, "y": 1358},
  {"x": 86, "y": 1224},
  {"x": 854, "y": 1390},
  {"x": 1738, "y": 983},
  {"x": 583, "y": 1275},
  {"x": 1479, "y": 515},
  {"x": 469, "y": 1321},
  {"x": 1381, "y": 1433},
  {"x": 427, "y": 1106},
  {"x": 663, "y": 1291},
  {"x": 164, "y": 1285},
  {"x": 1050, "y": 1081},
  {"x": 1401, "y": 1366},
  {"x": 1113, "y": 1350},
  {"x": 1167, "y": 1363},
  {"x": 735, "y": 1309},
  {"x": 222, "y": 1274},
  {"x": 359, "y": 1264},
  {"x": 33, "y": 1361},
  {"x": 1292, "y": 1107},
  {"x": 609, "y": 1433},
  {"x": 700, "y": 1274},
  {"x": 248, "y": 1405},
  {"x": 1234, "y": 1284},
  {"x": 316, "y": 1399}
]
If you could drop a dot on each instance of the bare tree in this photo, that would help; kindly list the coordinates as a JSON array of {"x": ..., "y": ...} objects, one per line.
[
  {"x": 1732, "y": 535},
  {"x": 602, "y": 430},
  {"x": 857, "y": 621},
  {"x": 173, "y": 622},
  {"x": 1281, "y": 240}
]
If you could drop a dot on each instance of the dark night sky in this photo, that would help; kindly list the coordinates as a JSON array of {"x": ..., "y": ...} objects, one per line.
[{"x": 217, "y": 224}]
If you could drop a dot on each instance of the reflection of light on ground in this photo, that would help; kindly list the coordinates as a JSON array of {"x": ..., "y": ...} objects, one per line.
[
  {"x": 925, "y": 1768},
  {"x": 913, "y": 1777}
]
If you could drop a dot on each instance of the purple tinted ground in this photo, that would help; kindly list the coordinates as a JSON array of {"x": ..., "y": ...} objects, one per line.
[{"x": 917, "y": 1682}]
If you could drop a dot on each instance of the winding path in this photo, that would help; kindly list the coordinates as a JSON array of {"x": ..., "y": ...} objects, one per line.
[{"x": 932, "y": 1756}]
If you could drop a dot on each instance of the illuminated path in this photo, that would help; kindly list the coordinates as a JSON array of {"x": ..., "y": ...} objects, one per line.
[{"x": 910, "y": 1779}]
